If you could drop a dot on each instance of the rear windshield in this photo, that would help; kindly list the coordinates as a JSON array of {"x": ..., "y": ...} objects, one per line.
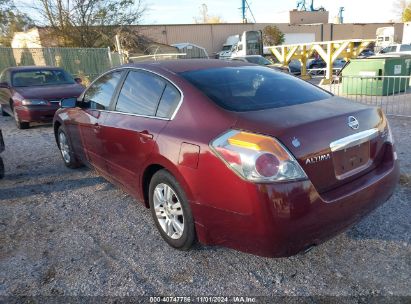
[
  {"x": 252, "y": 88},
  {"x": 43, "y": 77}
]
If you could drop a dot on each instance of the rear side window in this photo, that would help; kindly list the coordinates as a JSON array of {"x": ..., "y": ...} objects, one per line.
[
  {"x": 405, "y": 48},
  {"x": 99, "y": 94},
  {"x": 169, "y": 101},
  {"x": 253, "y": 88},
  {"x": 140, "y": 93}
]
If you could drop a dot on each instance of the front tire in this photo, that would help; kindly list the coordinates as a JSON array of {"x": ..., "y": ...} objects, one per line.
[
  {"x": 66, "y": 150},
  {"x": 20, "y": 124},
  {"x": 171, "y": 211}
]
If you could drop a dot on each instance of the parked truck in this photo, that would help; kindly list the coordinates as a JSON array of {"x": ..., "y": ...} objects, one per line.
[
  {"x": 385, "y": 37},
  {"x": 248, "y": 43}
]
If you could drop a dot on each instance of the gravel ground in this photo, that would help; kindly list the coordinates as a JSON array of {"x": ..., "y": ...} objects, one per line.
[{"x": 70, "y": 232}]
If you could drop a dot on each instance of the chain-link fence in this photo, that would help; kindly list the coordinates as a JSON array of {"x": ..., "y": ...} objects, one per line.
[
  {"x": 86, "y": 63},
  {"x": 391, "y": 93}
]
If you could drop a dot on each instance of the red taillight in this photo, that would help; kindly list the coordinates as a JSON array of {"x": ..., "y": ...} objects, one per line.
[
  {"x": 256, "y": 157},
  {"x": 267, "y": 165}
]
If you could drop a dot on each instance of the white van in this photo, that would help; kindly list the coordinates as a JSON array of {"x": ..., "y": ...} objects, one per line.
[{"x": 397, "y": 48}]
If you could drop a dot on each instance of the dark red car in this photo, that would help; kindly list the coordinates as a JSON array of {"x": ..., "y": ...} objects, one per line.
[
  {"x": 32, "y": 94},
  {"x": 231, "y": 153}
]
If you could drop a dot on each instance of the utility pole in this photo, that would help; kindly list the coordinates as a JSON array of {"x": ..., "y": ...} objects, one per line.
[
  {"x": 204, "y": 12},
  {"x": 243, "y": 11}
]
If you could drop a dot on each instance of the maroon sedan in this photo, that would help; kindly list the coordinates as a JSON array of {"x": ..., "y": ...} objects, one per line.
[
  {"x": 32, "y": 94},
  {"x": 231, "y": 153}
]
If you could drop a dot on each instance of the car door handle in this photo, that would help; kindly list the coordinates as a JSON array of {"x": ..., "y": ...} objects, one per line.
[
  {"x": 96, "y": 127},
  {"x": 147, "y": 135}
]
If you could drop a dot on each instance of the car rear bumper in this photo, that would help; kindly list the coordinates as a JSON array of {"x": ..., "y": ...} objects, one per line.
[
  {"x": 291, "y": 217},
  {"x": 37, "y": 113}
]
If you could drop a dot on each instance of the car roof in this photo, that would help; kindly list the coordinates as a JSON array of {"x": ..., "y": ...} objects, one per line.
[
  {"x": 33, "y": 67},
  {"x": 186, "y": 65}
]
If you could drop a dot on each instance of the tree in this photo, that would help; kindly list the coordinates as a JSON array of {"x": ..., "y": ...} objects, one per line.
[
  {"x": 402, "y": 9},
  {"x": 11, "y": 21},
  {"x": 89, "y": 23},
  {"x": 272, "y": 35},
  {"x": 204, "y": 17},
  {"x": 406, "y": 15}
]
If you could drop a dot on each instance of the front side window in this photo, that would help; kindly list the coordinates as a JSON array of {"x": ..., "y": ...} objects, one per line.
[
  {"x": 253, "y": 88},
  {"x": 260, "y": 60},
  {"x": 391, "y": 49},
  {"x": 140, "y": 93},
  {"x": 99, "y": 94},
  {"x": 3, "y": 77}
]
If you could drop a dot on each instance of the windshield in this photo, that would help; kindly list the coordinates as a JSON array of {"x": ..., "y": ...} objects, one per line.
[
  {"x": 226, "y": 48},
  {"x": 258, "y": 60},
  {"x": 42, "y": 77},
  {"x": 252, "y": 88}
]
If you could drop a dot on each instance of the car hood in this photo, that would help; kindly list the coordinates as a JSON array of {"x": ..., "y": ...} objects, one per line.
[{"x": 54, "y": 92}]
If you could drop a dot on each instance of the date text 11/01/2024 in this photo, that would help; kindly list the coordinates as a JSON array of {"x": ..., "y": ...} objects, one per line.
[{"x": 203, "y": 299}]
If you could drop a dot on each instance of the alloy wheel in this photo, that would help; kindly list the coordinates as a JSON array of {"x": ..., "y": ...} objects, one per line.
[
  {"x": 64, "y": 147},
  {"x": 169, "y": 211}
]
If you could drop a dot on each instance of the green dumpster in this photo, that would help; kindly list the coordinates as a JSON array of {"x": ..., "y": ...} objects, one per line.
[{"x": 377, "y": 75}]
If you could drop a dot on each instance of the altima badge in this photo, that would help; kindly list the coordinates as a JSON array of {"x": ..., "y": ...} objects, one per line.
[
  {"x": 353, "y": 123},
  {"x": 316, "y": 159}
]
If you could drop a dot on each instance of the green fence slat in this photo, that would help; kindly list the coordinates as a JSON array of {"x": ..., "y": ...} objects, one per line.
[{"x": 86, "y": 63}]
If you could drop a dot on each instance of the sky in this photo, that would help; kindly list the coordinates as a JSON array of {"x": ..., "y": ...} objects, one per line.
[{"x": 264, "y": 11}]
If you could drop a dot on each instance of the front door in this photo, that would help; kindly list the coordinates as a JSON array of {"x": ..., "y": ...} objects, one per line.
[{"x": 91, "y": 116}]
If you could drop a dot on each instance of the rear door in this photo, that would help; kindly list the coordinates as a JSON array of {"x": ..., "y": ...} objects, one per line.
[
  {"x": 85, "y": 125},
  {"x": 134, "y": 124}
]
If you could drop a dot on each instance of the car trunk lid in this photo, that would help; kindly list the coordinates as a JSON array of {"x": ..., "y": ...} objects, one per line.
[{"x": 324, "y": 138}]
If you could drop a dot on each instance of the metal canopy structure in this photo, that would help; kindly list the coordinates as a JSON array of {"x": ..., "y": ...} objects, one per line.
[{"x": 329, "y": 51}]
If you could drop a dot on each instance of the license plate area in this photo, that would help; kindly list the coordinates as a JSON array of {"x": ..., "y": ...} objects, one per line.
[{"x": 352, "y": 160}]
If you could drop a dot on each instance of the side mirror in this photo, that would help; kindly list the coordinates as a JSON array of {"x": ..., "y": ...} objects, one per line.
[
  {"x": 78, "y": 80},
  {"x": 68, "y": 102},
  {"x": 4, "y": 85}
]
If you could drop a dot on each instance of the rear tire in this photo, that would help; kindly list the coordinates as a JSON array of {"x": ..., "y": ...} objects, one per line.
[
  {"x": 171, "y": 211},
  {"x": 1, "y": 168},
  {"x": 66, "y": 150}
]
